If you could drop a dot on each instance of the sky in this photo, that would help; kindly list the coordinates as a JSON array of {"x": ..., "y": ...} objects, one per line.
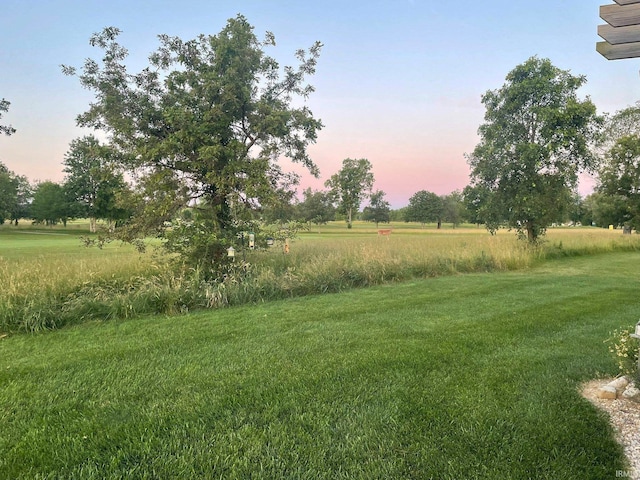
[{"x": 398, "y": 82}]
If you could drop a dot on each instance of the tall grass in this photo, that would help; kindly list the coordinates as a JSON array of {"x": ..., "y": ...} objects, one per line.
[
  {"x": 53, "y": 288},
  {"x": 37, "y": 290}
]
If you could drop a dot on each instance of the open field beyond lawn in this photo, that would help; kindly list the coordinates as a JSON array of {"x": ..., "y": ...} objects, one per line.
[
  {"x": 456, "y": 377},
  {"x": 49, "y": 280}
]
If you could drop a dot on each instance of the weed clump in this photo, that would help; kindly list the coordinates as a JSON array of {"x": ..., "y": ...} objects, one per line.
[{"x": 624, "y": 349}]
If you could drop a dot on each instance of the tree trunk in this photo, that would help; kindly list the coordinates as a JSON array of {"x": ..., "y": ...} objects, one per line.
[
  {"x": 92, "y": 225},
  {"x": 531, "y": 233}
]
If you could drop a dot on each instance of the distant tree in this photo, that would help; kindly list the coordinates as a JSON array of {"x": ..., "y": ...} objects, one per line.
[
  {"x": 8, "y": 193},
  {"x": 15, "y": 195},
  {"x": 90, "y": 175},
  {"x": 113, "y": 201},
  {"x": 576, "y": 210},
  {"x": 24, "y": 195},
  {"x": 476, "y": 199},
  {"x": 586, "y": 211},
  {"x": 534, "y": 142},
  {"x": 280, "y": 212},
  {"x": 425, "y": 207},
  {"x": 379, "y": 210},
  {"x": 316, "y": 207},
  {"x": 453, "y": 208},
  {"x": 398, "y": 215},
  {"x": 4, "y": 107},
  {"x": 623, "y": 123},
  {"x": 619, "y": 169},
  {"x": 203, "y": 126},
  {"x": 619, "y": 178},
  {"x": 50, "y": 205},
  {"x": 607, "y": 209},
  {"x": 351, "y": 185}
]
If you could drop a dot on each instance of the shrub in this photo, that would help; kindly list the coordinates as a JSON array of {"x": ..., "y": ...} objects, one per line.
[{"x": 625, "y": 351}]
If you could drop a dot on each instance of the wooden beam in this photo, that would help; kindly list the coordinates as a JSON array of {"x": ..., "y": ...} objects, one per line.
[
  {"x": 618, "y": 52},
  {"x": 621, "y": 15},
  {"x": 619, "y": 35},
  {"x": 626, "y": 2}
]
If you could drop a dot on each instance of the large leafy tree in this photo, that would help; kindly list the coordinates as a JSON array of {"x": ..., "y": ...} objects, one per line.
[
  {"x": 534, "y": 142},
  {"x": 425, "y": 207},
  {"x": 351, "y": 185},
  {"x": 203, "y": 125},
  {"x": 4, "y": 107},
  {"x": 379, "y": 210}
]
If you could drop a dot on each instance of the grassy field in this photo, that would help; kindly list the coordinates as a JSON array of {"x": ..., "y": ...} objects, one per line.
[
  {"x": 48, "y": 279},
  {"x": 42, "y": 270},
  {"x": 471, "y": 376}
]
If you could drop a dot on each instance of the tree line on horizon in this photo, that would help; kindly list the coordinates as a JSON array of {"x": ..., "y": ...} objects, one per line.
[
  {"x": 96, "y": 193},
  {"x": 91, "y": 190},
  {"x": 195, "y": 139}
]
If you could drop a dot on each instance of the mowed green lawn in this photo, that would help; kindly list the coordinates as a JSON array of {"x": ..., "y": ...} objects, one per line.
[{"x": 459, "y": 377}]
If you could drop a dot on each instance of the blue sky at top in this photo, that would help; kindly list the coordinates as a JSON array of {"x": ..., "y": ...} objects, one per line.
[{"x": 398, "y": 82}]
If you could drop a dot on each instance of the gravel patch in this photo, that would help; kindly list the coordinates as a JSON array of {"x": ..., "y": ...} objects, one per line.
[{"x": 624, "y": 415}]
